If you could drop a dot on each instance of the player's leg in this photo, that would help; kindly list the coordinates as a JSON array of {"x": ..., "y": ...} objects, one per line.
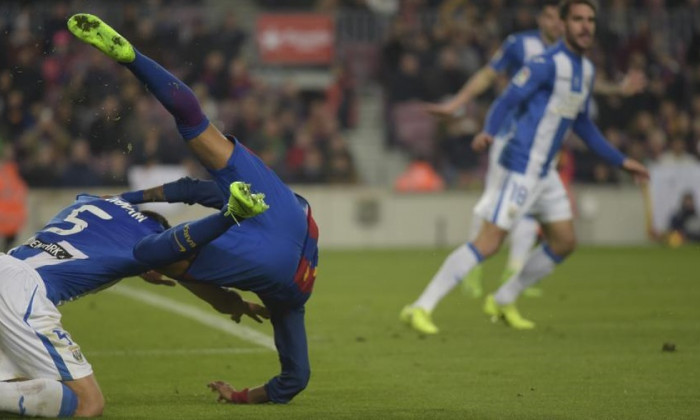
[
  {"x": 523, "y": 237},
  {"x": 554, "y": 211},
  {"x": 38, "y": 398},
  {"x": 473, "y": 282},
  {"x": 206, "y": 142},
  {"x": 560, "y": 242},
  {"x": 455, "y": 267},
  {"x": 32, "y": 338}
]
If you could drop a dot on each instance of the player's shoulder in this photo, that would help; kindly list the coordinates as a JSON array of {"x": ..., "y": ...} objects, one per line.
[{"x": 522, "y": 36}]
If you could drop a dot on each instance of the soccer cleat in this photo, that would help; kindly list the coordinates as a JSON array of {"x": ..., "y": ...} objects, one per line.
[
  {"x": 242, "y": 204},
  {"x": 508, "y": 313},
  {"x": 94, "y": 31},
  {"x": 472, "y": 284},
  {"x": 491, "y": 307},
  {"x": 418, "y": 319},
  {"x": 512, "y": 317}
]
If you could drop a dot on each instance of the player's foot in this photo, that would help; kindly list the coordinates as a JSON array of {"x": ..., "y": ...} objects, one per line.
[
  {"x": 94, "y": 31},
  {"x": 418, "y": 319},
  {"x": 512, "y": 317},
  {"x": 242, "y": 204},
  {"x": 472, "y": 284},
  {"x": 508, "y": 313},
  {"x": 491, "y": 308}
]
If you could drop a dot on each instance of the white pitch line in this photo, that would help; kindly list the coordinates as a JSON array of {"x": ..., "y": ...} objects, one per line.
[
  {"x": 173, "y": 352},
  {"x": 196, "y": 314}
]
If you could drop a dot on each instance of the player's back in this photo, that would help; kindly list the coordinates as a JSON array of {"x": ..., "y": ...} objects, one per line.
[
  {"x": 263, "y": 253},
  {"x": 87, "y": 246}
]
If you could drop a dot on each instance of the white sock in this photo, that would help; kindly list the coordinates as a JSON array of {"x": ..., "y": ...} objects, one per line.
[
  {"x": 37, "y": 398},
  {"x": 451, "y": 273},
  {"x": 522, "y": 239},
  {"x": 540, "y": 263}
]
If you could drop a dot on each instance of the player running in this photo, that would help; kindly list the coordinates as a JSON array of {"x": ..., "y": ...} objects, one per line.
[
  {"x": 275, "y": 255},
  {"x": 513, "y": 54},
  {"x": 87, "y": 247},
  {"x": 549, "y": 97}
]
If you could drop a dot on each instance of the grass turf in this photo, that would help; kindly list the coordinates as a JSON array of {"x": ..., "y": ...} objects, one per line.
[{"x": 596, "y": 352}]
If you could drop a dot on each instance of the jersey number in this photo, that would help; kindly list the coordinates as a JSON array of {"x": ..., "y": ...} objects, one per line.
[
  {"x": 78, "y": 223},
  {"x": 43, "y": 259}
]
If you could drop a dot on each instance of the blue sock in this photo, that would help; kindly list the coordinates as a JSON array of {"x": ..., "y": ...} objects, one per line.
[
  {"x": 181, "y": 241},
  {"x": 175, "y": 96},
  {"x": 69, "y": 402}
]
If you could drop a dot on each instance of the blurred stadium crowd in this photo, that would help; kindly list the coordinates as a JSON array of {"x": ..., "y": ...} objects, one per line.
[{"x": 73, "y": 118}]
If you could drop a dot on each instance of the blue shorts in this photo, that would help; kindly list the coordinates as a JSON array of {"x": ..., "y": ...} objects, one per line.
[{"x": 265, "y": 253}]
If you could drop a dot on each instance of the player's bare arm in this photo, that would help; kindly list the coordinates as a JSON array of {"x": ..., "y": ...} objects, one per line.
[
  {"x": 227, "y": 301},
  {"x": 633, "y": 83},
  {"x": 482, "y": 141},
  {"x": 475, "y": 86}
]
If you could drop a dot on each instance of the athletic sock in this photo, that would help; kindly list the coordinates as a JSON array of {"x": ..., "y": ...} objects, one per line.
[
  {"x": 453, "y": 269},
  {"x": 522, "y": 239},
  {"x": 38, "y": 398},
  {"x": 175, "y": 96},
  {"x": 540, "y": 264}
]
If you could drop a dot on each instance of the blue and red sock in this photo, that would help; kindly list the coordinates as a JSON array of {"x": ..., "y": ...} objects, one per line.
[{"x": 175, "y": 95}]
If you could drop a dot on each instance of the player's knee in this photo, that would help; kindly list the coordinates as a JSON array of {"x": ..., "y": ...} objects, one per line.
[
  {"x": 564, "y": 246},
  {"x": 90, "y": 405},
  {"x": 299, "y": 380}
]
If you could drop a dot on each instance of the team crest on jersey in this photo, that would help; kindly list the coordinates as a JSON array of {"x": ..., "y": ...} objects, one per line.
[
  {"x": 521, "y": 77},
  {"x": 77, "y": 354}
]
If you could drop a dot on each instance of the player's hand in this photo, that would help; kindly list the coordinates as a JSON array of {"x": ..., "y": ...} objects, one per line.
[
  {"x": 224, "y": 389},
  {"x": 443, "y": 110},
  {"x": 633, "y": 83},
  {"x": 638, "y": 171},
  {"x": 155, "y": 277},
  {"x": 482, "y": 141},
  {"x": 250, "y": 309}
]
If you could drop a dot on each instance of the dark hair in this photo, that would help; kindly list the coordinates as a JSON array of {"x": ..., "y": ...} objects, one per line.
[
  {"x": 549, "y": 3},
  {"x": 157, "y": 217},
  {"x": 565, "y": 5}
]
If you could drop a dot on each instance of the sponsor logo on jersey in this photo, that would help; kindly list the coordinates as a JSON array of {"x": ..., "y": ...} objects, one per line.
[{"x": 51, "y": 248}]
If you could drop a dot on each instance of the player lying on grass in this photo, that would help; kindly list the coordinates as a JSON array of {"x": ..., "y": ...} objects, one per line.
[
  {"x": 275, "y": 255},
  {"x": 85, "y": 248}
]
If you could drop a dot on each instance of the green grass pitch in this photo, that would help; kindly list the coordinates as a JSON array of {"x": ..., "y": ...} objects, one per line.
[{"x": 596, "y": 352}]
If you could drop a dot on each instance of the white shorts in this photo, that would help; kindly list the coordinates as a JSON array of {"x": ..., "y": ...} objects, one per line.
[
  {"x": 509, "y": 196},
  {"x": 33, "y": 344},
  {"x": 499, "y": 143}
]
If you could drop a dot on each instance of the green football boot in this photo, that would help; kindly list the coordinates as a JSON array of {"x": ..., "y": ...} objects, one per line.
[
  {"x": 512, "y": 317},
  {"x": 418, "y": 319},
  {"x": 242, "y": 204},
  {"x": 508, "y": 313},
  {"x": 92, "y": 30}
]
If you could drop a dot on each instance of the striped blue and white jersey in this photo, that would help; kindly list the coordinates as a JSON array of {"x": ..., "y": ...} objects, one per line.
[
  {"x": 517, "y": 49},
  {"x": 550, "y": 95},
  {"x": 87, "y": 246}
]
